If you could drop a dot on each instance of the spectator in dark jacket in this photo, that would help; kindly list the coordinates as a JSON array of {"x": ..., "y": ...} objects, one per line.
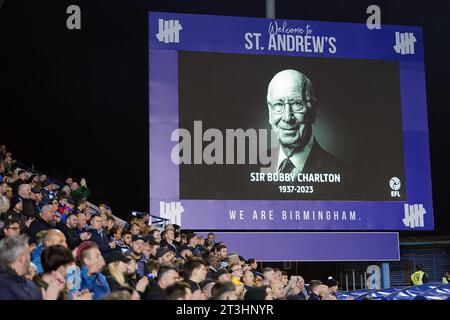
[
  {"x": 168, "y": 241},
  {"x": 136, "y": 252},
  {"x": 42, "y": 222},
  {"x": 304, "y": 292},
  {"x": 99, "y": 236},
  {"x": 2, "y": 151},
  {"x": 15, "y": 211},
  {"x": 29, "y": 206},
  {"x": 14, "y": 264},
  {"x": 167, "y": 276},
  {"x": 70, "y": 231},
  {"x": 195, "y": 271}
]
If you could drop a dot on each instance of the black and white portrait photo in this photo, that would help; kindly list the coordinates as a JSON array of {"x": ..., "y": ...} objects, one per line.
[{"x": 332, "y": 128}]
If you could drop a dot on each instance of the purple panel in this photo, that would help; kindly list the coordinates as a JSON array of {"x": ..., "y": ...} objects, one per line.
[
  {"x": 227, "y": 34},
  {"x": 313, "y": 246},
  {"x": 163, "y": 120}
]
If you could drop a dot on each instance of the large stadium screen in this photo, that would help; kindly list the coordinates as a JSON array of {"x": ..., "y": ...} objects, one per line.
[{"x": 281, "y": 124}]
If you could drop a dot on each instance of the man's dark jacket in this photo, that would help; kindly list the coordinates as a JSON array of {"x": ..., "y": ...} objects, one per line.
[
  {"x": 37, "y": 226},
  {"x": 154, "y": 292},
  {"x": 29, "y": 208},
  {"x": 101, "y": 239},
  {"x": 72, "y": 238},
  {"x": 15, "y": 287}
]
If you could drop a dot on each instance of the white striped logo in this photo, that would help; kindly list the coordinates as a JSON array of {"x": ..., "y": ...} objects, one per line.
[
  {"x": 171, "y": 211},
  {"x": 414, "y": 215},
  {"x": 404, "y": 43},
  {"x": 169, "y": 31}
]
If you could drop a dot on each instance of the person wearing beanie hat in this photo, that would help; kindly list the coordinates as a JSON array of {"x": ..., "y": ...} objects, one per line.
[
  {"x": 16, "y": 211},
  {"x": 333, "y": 285},
  {"x": 164, "y": 255}
]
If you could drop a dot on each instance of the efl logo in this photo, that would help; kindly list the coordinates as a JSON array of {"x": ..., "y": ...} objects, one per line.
[
  {"x": 395, "y": 185},
  {"x": 414, "y": 215},
  {"x": 171, "y": 211},
  {"x": 169, "y": 31},
  {"x": 404, "y": 43}
]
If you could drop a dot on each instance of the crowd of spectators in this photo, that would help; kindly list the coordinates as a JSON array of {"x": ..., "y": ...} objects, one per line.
[{"x": 54, "y": 246}]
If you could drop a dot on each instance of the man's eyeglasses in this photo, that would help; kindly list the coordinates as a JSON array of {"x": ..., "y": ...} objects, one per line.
[
  {"x": 14, "y": 228},
  {"x": 297, "y": 106}
]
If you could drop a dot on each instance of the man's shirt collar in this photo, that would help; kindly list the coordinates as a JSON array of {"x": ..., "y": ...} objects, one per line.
[{"x": 298, "y": 158}]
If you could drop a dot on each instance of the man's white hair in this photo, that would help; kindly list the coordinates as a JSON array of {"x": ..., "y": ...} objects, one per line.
[{"x": 11, "y": 248}]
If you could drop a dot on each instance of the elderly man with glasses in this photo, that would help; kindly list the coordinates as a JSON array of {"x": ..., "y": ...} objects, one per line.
[
  {"x": 292, "y": 113},
  {"x": 290, "y": 100}
]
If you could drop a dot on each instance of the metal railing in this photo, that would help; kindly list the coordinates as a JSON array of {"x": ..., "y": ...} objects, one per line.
[
  {"x": 352, "y": 280},
  {"x": 156, "y": 220}
]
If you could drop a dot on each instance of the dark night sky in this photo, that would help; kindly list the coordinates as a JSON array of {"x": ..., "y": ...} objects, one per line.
[{"x": 76, "y": 102}]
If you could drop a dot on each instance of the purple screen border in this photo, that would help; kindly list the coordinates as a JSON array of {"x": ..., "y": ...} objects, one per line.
[{"x": 213, "y": 214}]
